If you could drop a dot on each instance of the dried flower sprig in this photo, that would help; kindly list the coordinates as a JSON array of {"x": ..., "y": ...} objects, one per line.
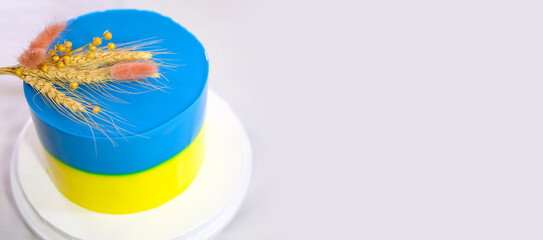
[{"x": 56, "y": 73}]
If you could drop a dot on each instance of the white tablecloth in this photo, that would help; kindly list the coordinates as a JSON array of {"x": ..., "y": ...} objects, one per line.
[{"x": 369, "y": 119}]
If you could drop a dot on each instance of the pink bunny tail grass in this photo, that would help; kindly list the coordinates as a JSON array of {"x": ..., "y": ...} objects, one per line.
[
  {"x": 36, "y": 52},
  {"x": 48, "y": 35},
  {"x": 134, "y": 70},
  {"x": 32, "y": 57}
]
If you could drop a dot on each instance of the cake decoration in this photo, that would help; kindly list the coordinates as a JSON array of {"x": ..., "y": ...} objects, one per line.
[{"x": 58, "y": 72}]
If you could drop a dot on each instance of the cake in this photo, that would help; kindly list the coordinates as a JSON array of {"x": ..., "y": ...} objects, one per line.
[{"x": 151, "y": 145}]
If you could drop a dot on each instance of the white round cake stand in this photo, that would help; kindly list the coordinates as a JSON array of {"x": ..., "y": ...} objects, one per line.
[{"x": 200, "y": 212}]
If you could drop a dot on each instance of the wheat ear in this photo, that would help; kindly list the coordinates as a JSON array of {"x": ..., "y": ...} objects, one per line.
[
  {"x": 59, "y": 98},
  {"x": 87, "y": 76},
  {"x": 105, "y": 57}
]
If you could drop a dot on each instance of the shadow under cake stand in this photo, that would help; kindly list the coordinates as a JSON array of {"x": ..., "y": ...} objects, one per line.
[{"x": 200, "y": 212}]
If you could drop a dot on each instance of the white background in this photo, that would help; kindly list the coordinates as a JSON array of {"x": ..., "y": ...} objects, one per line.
[{"x": 369, "y": 119}]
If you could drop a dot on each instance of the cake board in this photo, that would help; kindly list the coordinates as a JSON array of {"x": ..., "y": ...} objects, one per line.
[{"x": 200, "y": 212}]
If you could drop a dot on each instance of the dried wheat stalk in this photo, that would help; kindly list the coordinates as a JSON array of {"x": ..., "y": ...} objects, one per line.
[
  {"x": 90, "y": 65},
  {"x": 72, "y": 75},
  {"x": 48, "y": 89}
]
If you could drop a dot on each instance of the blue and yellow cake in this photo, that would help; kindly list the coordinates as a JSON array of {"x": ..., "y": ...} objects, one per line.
[{"x": 161, "y": 146}]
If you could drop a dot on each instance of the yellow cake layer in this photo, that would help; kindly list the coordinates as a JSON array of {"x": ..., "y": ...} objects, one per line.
[{"x": 130, "y": 193}]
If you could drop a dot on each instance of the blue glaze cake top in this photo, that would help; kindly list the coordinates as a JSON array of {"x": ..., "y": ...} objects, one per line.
[
  {"x": 146, "y": 110},
  {"x": 163, "y": 123}
]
